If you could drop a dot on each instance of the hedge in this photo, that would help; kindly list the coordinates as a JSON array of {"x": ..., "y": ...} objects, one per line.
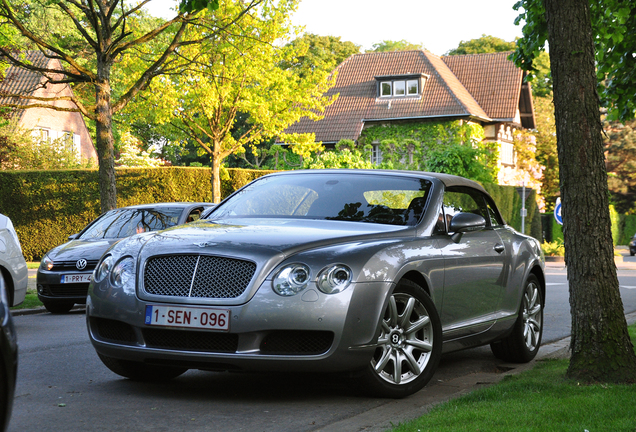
[{"x": 48, "y": 206}]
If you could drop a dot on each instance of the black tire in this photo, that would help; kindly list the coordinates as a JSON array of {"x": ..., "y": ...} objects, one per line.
[
  {"x": 138, "y": 371},
  {"x": 59, "y": 308},
  {"x": 523, "y": 343},
  {"x": 632, "y": 253},
  {"x": 407, "y": 355}
]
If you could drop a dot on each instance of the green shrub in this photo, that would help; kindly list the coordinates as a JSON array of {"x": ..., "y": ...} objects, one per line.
[
  {"x": 48, "y": 206},
  {"x": 554, "y": 248}
]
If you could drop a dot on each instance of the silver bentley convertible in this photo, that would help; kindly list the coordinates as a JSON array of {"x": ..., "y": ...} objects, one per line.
[{"x": 373, "y": 273}]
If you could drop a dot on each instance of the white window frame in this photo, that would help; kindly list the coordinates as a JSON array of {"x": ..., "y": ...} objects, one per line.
[
  {"x": 396, "y": 87},
  {"x": 408, "y": 87},
  {"x": 376, "y": 154},
  {"x": 390, "y": 84}
]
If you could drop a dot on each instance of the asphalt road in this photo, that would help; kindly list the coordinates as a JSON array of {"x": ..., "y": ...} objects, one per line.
[{"x": 62, "y": 385}]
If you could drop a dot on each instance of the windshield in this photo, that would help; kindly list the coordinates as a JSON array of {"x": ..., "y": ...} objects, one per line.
[
  {"x": 371, "y": 198},
  {"x": 120, "y": 223}
]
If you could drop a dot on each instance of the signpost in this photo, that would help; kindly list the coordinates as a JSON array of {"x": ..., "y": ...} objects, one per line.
[{"x": 557, "y": 212}]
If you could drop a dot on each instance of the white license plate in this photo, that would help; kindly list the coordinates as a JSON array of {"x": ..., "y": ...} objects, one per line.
[
  {"x": 76, "y": 278},
  {"x": 190, "y": 317}
]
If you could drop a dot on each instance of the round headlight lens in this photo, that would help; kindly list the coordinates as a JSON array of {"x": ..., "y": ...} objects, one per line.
[
  {"x": 334, "y": 279},
  {"x": 291, "y": 280},
  {"x": 103, "y": 269},
  {"x": 123, "y": 272},
  {"x": 47, "y": 263}
]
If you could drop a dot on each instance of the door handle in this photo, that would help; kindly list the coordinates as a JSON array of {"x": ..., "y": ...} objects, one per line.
[{"x": 499, "y": 248}]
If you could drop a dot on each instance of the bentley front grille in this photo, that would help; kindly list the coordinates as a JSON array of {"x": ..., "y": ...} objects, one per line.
[{"x": 200, "y": 276}]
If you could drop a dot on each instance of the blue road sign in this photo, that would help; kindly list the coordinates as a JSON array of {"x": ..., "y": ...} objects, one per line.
[{"x": 557, "y": 212}]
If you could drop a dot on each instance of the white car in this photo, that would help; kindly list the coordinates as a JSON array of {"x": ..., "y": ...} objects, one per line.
[{"x": 12, "y": 263}]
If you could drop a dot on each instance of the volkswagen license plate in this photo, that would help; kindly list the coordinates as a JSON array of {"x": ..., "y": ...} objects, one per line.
[
  {"x": 76, "y": 278},
  {"x": 189, "y": 317}
]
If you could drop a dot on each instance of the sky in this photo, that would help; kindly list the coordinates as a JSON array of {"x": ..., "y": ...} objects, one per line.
[{"x": 438, "y": 25}]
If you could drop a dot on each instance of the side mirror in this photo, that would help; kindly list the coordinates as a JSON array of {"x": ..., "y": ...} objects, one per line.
[{"x": 465, "y": 222}]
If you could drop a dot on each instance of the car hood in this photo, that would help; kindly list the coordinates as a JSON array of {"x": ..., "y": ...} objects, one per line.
[
  {"x": 265, "y": 237},
  {"x": 76, "y": 249}
]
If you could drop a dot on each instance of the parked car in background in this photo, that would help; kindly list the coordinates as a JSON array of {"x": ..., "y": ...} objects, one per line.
[
  {"x": 8, "y": 357},
  {"x": 373, "y": 273},
  {"x": 12, "y": 264},
  {"x": 65, "y": 271}
]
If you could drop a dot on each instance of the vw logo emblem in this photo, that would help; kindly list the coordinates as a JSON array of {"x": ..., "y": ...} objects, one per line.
[{"x": 81, "y": 264}]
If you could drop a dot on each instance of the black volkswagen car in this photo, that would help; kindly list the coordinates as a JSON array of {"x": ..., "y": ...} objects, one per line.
[{"x": 65, "y": 271}]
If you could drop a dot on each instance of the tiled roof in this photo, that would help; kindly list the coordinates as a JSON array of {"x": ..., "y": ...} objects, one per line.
[
  {"x": 492, "y": 79},
  {"x": 22, "y": 81},
  {"x": 467, "y": 86}
]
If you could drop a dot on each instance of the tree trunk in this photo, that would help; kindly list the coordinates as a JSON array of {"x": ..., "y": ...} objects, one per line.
[
  {"x": 104, "y": 141},
  {"x": 215, "y": 158},
  {"x": 600, "y": 344}
]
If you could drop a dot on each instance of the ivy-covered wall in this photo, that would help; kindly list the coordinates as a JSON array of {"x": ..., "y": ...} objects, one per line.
[{"x": 48, "y": 206}]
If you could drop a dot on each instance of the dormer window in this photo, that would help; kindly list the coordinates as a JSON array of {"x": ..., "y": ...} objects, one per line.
[{"x": 400, "y": 85}]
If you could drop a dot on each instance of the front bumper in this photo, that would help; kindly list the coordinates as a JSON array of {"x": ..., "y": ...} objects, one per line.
[
  {"x": 51, "y": 289},
  {"x": 309, "y": 331}
]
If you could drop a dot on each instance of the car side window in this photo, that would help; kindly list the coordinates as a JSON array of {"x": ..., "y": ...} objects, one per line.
[
  {"x": 464, "y": 200},
  {"x": 493, "y": 214},
  {"x": 194, "y": 215}
]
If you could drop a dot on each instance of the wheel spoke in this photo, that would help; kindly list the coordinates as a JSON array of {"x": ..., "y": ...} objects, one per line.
[
  {"x": 408, "y": 310},
  {"x": 422, "y": 345},
  {"x": 418, "y": 325},
  {"x": 415, "y": 367},
  {"x": 384, "y": 360},
  {"x": 397, "y": 368},
  {"x": 393, "y": 313}
]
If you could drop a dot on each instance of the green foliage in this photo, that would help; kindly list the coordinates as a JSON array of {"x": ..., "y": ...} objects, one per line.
[
  {"x": 628, "y": 228},
  {"x": 509, "y": 203},
  {"x": 616, "y": 225},
  {"x": 484, "y": 44},
  {"x": 614, "y": 28},
  {"x": 318, "y": 53},
  {"x": 546, "y": 149},
  {"x": 238, "y": 72},
  {"x": 620, "y": 147},
  {"x": 133, "y": 156},
  {"x": 450, "y": 147},
  {"x": 346, "y": 156},
  {"x": 21, "y": 149},
  {"x": 389, "y": 45},
  {"x": 554, "y": 248},
  {"x": 48, "y": 206}
]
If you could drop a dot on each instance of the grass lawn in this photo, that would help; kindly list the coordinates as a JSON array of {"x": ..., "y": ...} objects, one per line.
[{"x": 541, "y": 399}]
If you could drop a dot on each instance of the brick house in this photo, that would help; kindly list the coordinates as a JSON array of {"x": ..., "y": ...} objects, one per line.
[
  {"x": 417, "y": 86},
  {"x": 48, "y": 123}
]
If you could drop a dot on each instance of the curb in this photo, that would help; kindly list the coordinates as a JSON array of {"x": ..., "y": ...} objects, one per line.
[{"x": 42, "y": 310}]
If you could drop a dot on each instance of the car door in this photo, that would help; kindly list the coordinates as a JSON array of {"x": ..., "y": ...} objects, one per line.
[{"x": 473, "y": 267}]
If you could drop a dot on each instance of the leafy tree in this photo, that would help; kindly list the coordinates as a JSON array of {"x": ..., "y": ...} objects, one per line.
[
  {"x": 484, "y": 44},
  {"x": 620, "y": 146},
  {"x": 238, "y": 73},
  {"x": 389, "y": 45},
  {"x": 600, "y": 345},
  {"x": 319, "y": 52},
  {"x": 546, "y": 149},
  {"x": 109, "y": 36},
  {"x": 348, "y": 155},
  {"x": 131, "y": 154}
]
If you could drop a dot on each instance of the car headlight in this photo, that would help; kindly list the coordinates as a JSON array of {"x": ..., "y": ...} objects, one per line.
[
  {"x": 334, "y": 279},
  {"x": 103, "y": 269},
  {"x": 291, "y": 279},
  {"x": 46, "y": 263},
  {"x": 123, "y": 272}
]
